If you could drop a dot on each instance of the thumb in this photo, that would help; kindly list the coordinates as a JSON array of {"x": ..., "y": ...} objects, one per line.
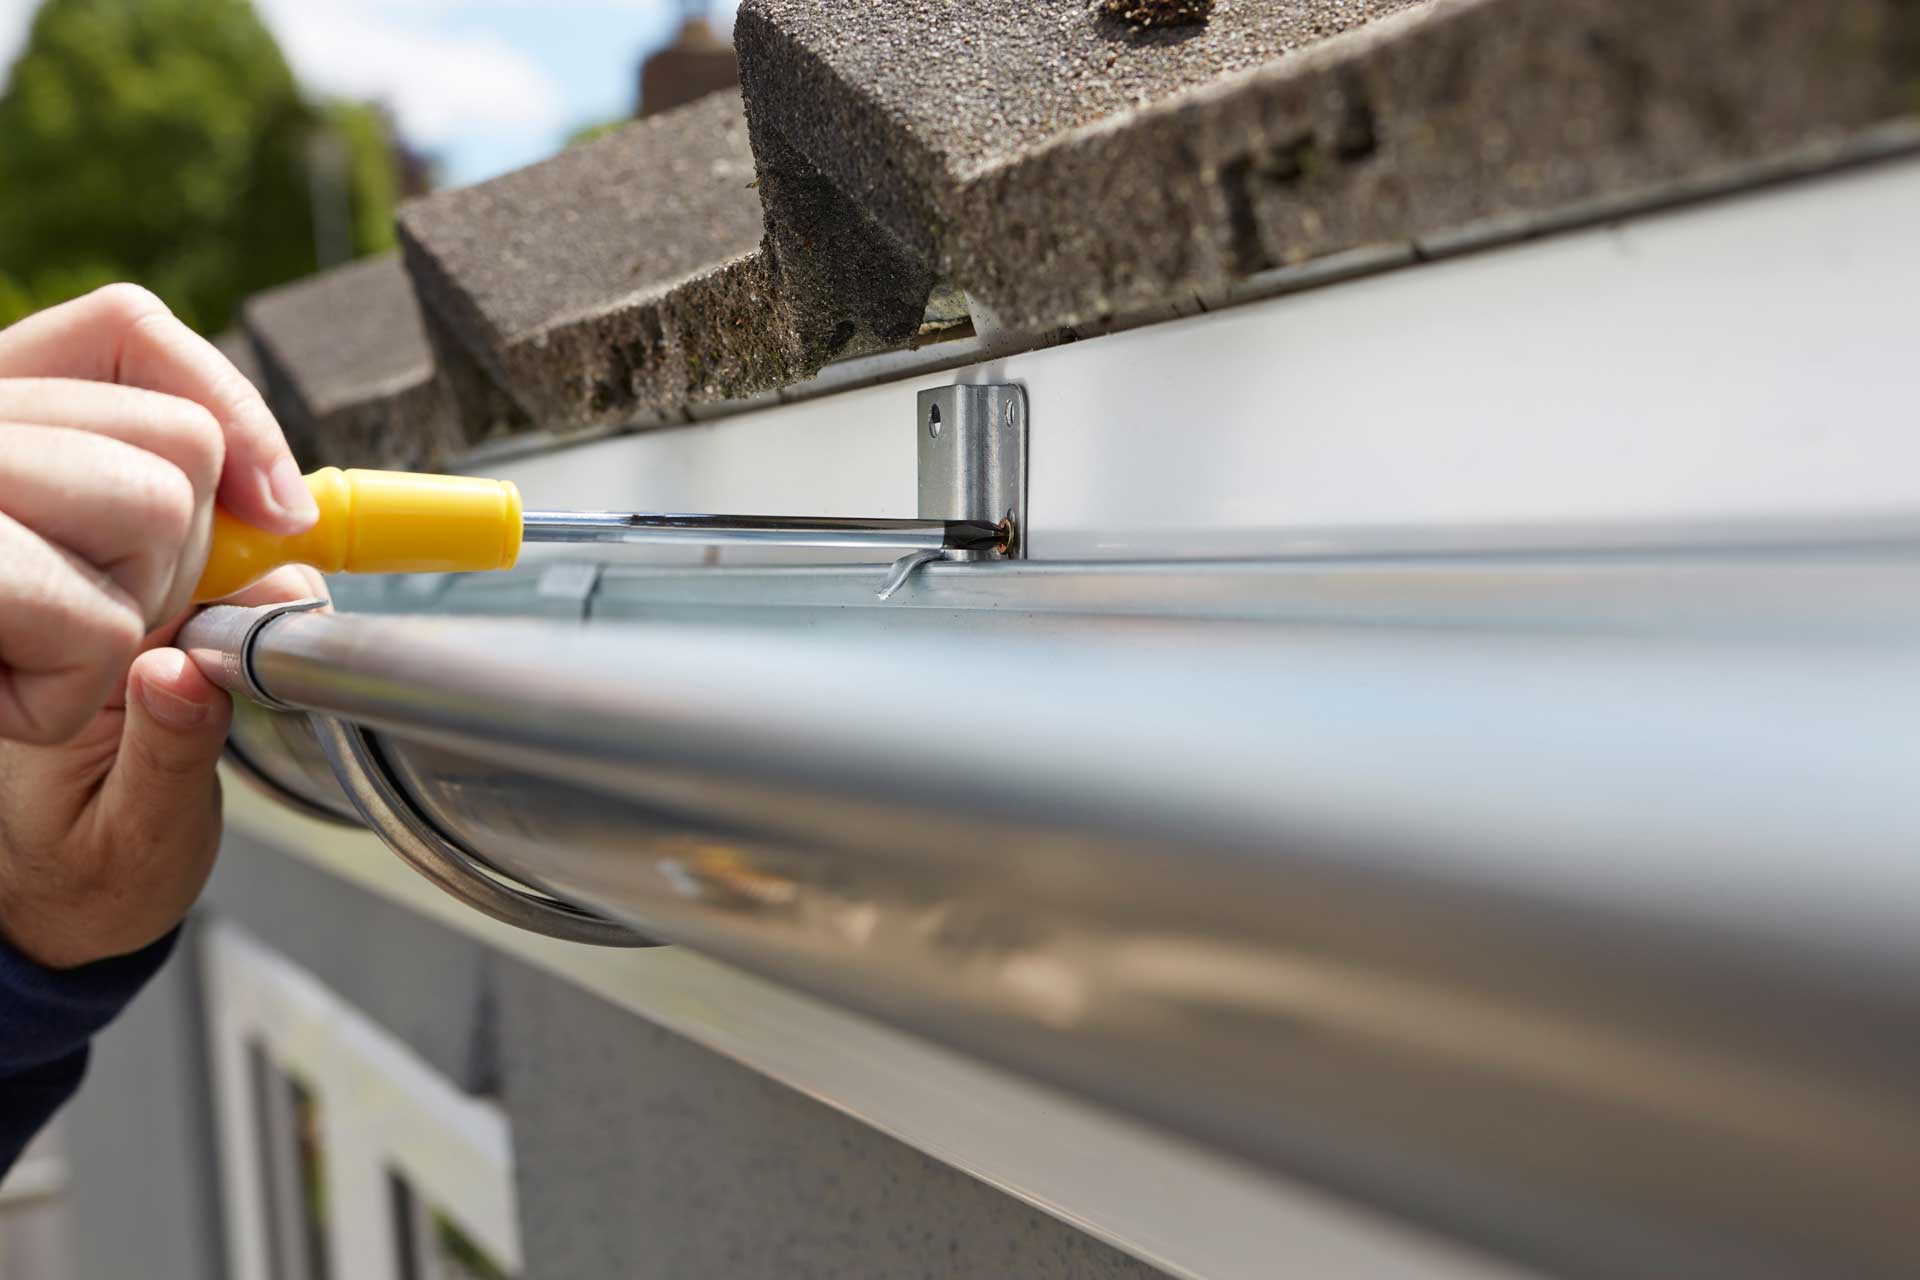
[{"x": 163, "y": 782}]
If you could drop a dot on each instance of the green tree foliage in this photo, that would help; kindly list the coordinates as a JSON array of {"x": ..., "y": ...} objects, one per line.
[
  {"x": 165, "y": 141},
  {"x": 588, "y": 132}
]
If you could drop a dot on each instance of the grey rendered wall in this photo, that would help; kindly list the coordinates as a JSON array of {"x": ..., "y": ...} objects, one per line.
[
  {"x": 639, "y": 1154},
  {"x": 143, "y": 1198},
  {"x": 424, "y": 982}
]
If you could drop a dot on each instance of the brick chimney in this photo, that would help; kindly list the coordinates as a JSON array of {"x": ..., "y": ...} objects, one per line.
[{"x": 698, "y": 62}]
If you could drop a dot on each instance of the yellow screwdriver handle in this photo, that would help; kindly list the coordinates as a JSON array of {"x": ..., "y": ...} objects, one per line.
[{"x": 375, "y": 522}]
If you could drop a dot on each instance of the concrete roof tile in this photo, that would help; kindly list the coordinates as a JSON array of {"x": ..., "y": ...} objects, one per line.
[
  {"x": 1055, "y": 163},
  {"x": 1063, "y": 165},
  {"x": 581, "y": 285},
  {"x": 346, "y": 367}
]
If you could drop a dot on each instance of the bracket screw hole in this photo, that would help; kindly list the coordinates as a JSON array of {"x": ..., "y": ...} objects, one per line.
[
  {"x": 1013, "y": 414},
  {"x": 933, "y": 421}
]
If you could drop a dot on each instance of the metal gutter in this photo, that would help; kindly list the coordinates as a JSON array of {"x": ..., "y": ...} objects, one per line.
[
  {"x": 1101, "y": 1172},
  {"x": 1592, "y": 948},
  {"x": 1564, "y": 902}
]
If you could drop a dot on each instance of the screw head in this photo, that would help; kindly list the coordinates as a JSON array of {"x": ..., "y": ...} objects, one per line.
[{"x": 933, "y": 421}]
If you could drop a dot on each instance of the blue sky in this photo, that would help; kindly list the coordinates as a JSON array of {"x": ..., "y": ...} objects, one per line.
[{"x": 483, "y": 85}]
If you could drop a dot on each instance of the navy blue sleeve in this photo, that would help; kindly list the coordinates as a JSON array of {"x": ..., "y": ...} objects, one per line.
[{"x": 47, "y": 1016}]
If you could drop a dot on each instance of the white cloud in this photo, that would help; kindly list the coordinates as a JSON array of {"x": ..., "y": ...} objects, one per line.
[
  {"x": 438, "y": 85},
  {"x": 15, "y": 17}
]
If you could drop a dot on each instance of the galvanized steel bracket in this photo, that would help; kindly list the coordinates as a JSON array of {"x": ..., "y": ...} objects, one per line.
[
  {"x": 973, "y": 466},
  {"x": 973, "y": 459}
]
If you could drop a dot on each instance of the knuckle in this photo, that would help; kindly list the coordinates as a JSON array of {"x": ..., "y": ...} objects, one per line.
[
  {"x": 162, "y": 499},
  {"x": 203, "y": 446},
  {"x": 121, "y": 635},
  {"x": 58, "y": 709},
  {"x": 69, "y": 633},
  {"x": 144, "y": 761},
  {"x": 104, "y": 632},
  {"x": 58, "y": 722},
  {"x": 47, "y": 722},
  {"x": 77, "y": 611},
  {"x": 109, "y": 639},
  {"x": 128, "y": 302},
  {"x": 152, "y": 761},
  {"x": 241, "y": 399}
]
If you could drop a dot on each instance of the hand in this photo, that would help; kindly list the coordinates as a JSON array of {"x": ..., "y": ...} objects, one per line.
[{"x": 119, "y": 428}]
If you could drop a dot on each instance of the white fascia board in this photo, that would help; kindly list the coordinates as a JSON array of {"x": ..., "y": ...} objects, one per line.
[{"x": 1746, "y": 362}]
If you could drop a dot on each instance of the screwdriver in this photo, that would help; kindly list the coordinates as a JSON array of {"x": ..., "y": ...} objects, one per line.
[{"x": 402, "y": 522}]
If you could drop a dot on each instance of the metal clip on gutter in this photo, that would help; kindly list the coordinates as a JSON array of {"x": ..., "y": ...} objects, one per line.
[
  {"x": 221, "y": 640},
  {"x": 363, "y": 773}
]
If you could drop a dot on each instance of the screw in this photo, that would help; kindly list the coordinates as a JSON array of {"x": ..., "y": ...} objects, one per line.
[{"x": 933, "y": 421}]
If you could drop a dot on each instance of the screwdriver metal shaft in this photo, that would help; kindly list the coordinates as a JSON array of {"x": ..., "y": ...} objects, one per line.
[
  {"x": 764, "y": 531},
  {"x": 396, "y": 522}
]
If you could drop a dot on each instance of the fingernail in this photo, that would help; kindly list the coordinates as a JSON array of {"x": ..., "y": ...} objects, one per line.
[
  {"x": 288, "y": 490},
  {"x": 171, "y": 709}
]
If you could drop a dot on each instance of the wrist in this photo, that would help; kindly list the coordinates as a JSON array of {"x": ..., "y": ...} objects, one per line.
[
  {"x": 52, "y": 1013},
  {"x": 63, "y": 935}
]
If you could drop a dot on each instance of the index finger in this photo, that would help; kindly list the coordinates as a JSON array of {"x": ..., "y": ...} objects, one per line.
[
  {"x": 124, "y": 334},
  {"x": 284, "y": 585}
]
